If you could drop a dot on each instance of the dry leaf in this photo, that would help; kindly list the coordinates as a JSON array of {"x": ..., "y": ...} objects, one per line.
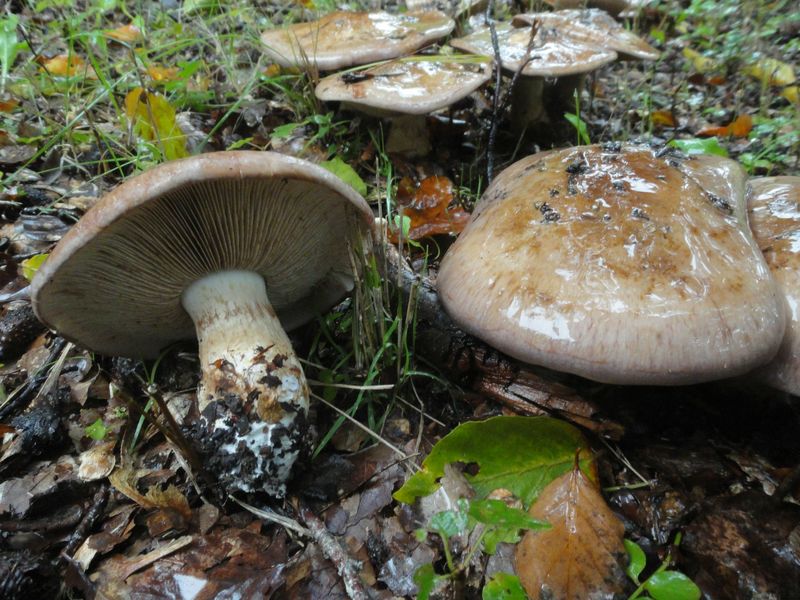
[
  {"x": 154, "y": 120},
  {"x": 67, "y": 65},
  {"x": 163, "y": 74},
  {"x": 701, "y": 64},
  {"x": 124, "y": 480},
  {"x": 429, "y": 209},
  {"x": 662, "y": 118},
  {"x": 581, "y": 556},
  {"x": 739, "y": 127},
  {"x": 8, "y": 105},
  {"x": 127, "y": 34}
]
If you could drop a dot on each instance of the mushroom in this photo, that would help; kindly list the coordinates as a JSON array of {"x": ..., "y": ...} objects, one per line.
[
  {"x": 342, "y": 39},
  {"x": 406, "y": 90},
  {"x": 613, "y": 7},
  {"x": 595, "y": 28},
  {"x": 618, "y": 264},
  {"x": 774, "y": 207},
  {"x": 230, "y": 248},
  {"x": 554, "y": 55}
]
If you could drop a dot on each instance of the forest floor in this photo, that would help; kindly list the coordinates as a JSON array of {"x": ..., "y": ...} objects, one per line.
[{"x": 95, "y": 501}]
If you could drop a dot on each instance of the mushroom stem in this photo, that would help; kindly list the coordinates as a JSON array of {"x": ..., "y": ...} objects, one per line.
[
  {"x": 253, "y": 396},
  {"x": 527, "y": 106},
  {"x": 409, "y": 136}
]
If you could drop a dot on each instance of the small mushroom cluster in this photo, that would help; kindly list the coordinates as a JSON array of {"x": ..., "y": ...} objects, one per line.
[
  {"x": 562, "y": 45},
  {"x": 620, "y": 264},
  {"x": 230, "y": 248}
]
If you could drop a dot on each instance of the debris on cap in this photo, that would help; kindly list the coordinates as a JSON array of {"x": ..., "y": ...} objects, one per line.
[
  {"x": 617, "y": 264},
  {"x": 343, "y": 39},
  {"x": 774, "y": 210}
]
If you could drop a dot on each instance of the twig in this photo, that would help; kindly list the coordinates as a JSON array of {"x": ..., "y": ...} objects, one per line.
[
  {"x": 496, "y": 100},
  {"x": 523, "y": 63},
  {"x": 347, "y": 568},
  {"x": 88, "y": 522},
  {"x": 20, "y": 397}
]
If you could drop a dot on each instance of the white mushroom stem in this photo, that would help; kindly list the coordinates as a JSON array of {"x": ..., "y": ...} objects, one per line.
[
  {"x": 253, "y": 395},
  {"x": 409, "y": 136},
  {"x": 527, "y": 106}
]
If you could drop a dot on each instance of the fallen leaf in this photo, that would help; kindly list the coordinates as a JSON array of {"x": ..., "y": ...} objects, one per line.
[
  {"x": 154, "y": 120},
  {"x": 581, "y": 555},
  {"x": 662, "y": 118},
  {"x": 770, "y": 71},
  {"x": 163, "y": 74},
  {"x": 534, "y": 450},
  {"x": 124, "y": 480},
  {"x": 8, "y": 105},
  {"x": 739, "y": 127},
  {"x": 429, "y": 212},
  {"x": 127, "y": 34},
  {"x": 700, "y": 63},
  {"x": 67, "y": 65},
  {"x": 32, "y": 264}
]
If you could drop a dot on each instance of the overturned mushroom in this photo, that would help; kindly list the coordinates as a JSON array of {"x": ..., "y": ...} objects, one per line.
[
  {"x": 343, "y": 39},
  {"x": 617, "y": 264},
  {"x": 774, "y": 205},
  {"x": 553, "y": 54},
  {"x": 406, "y": 90},
  {"x": 230, "y": 248}
]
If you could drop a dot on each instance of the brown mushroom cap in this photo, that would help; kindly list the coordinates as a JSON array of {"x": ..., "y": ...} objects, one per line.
[
  {"x": 619, "y": 265},
  {"x": 343, "y": 39},
  {"x": 774, "y": 205},
  {"x": 595, "y": 28},
  {"x": 409, "y": 86},
  {"x": 613, "y": 7},
  {"x": 114, "y": 282},
  {"x": 554, "y": 54}
]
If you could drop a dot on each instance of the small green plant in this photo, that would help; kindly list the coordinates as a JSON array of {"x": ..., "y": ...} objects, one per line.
[
  {"x": 581, "y": 129},
  {"x": 96, "y": 431},
  {"x": 664, "y": 583},
  {"x": 485, "y": 523}
]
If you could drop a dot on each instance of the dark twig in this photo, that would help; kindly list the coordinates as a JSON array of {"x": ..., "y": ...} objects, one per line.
[
  {"x": 88, "y": 522},
  {"x": 496, "y": 100},
  {"x": 347, "y": 567},
  {"x": 524, "y": 63},
  {"x": 22, "y": 396}
]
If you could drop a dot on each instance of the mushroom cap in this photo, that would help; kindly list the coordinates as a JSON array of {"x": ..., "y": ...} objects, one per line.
[
  {"x": 613, "y": 7},
  {"x": 555, "y": 54},
  {"x": 415, "y": 87},
  {"x": 618, "y": 265},
  {"x": 114, "y": 282},
  {"x": 774, "y": 208},
  {"x": 343, "y": 39},
  {"x": 593, "y": 27}
]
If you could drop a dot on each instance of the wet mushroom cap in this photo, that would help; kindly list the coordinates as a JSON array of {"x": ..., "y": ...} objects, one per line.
[
  {"x": 618, "y": 265},
  {"x": 114, "y": 282},
  {"x": 593, "y": 27},
  {"x": 554, "y": 53},
  {"x": 409, "y": 86},
  {"x": 774, "y": 210},
  {"x": 343, "y": 39},
  {"x": 613, "y": 7}
]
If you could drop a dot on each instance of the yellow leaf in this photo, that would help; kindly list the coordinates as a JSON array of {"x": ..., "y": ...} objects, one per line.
[
  {"x": 792, "y": 94},
  {"x": 701, "y": 64},
  {"x": 153, "y": 119},
  {"x": 163, "y": 74},
  {"x": 32, "y": 264},
  {"x": 772, "y": 72},
  {"x": 67, "y": 65},
  {"x": 127, "y": 34}
]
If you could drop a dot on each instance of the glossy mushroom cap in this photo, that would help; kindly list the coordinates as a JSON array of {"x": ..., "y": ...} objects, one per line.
[
  {"x": 612, "y": 7},
  {"x": 414, "y": 86},
  {"x": 342, "y": 39},
  {"x": 114, "y": 282},
  {"x": 554, "y": 53},
  {"x": 619, "y": 265},
  {"x": 595, "y": 28},
  {"x": 774, "y": 207}
]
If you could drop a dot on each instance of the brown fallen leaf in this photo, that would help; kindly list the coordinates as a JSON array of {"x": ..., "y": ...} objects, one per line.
[
  {"x": 581, "y": 555},
  {"x": 428, "y": 208},
  {"x": 126, "y": 34},
  {"x": 739, "y": 127}
]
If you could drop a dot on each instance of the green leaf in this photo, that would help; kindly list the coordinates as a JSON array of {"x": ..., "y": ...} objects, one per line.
[
  {"x": 449, "y": 522},
  {"x": 503, "y": 586},
  {"x": 637, "y": 560},
  {"x": 346, "y": 173},
  {"x": 284, "y": 131},
  {"x": 694, "y": 146},
  {"x": 672, "y": 585},
  {"x": 426, "y": 579},
  {"x": 580, "y": 127},
  {"x": 96, "y": 431},
  {"x": 8, "y": 46},
  {"x": 499, "y": 514},
  {"x": 495, "y": 535},
  {"x": 32, "y": 264},
  {"x": 520, "y": 454}
]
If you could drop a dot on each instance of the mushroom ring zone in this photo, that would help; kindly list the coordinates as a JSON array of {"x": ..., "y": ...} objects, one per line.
[
  {"x": 230, "y": 248},
  {"x": 619, "y": 264}
]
